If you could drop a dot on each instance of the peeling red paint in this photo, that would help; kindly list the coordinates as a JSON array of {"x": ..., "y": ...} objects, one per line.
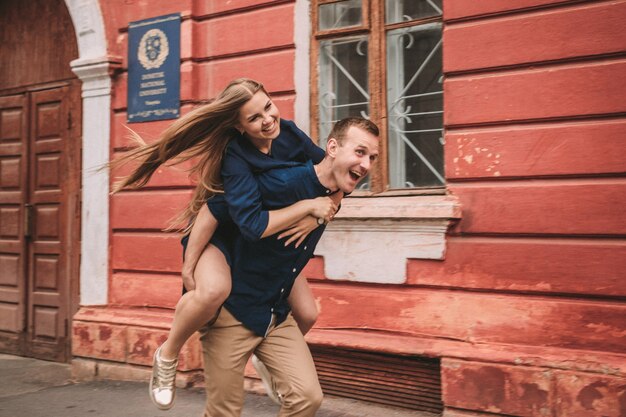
[
  {"x": 506, "y": 389},
  {"x": 486, "y": 383},
  {"x": 82, "y": 333},
  {"x": 588, "y": 395},
  {"x": 140, "y": 346},
  {"x": 105, "y": 333},
  {"x": 99, "y": 340},
  {"x": 584, "y": 395},
  {"x": 533, "y": 395}
]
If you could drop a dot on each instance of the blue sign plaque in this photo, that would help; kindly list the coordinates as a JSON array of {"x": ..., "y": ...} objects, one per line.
[{"x": 154, "y": 69}]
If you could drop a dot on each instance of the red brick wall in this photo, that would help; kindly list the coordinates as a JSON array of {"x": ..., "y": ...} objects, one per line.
[
  {"x": 527, "y": 309},
  {"x": 534, "y": 105},
  {"x": 220, "y": 41}
]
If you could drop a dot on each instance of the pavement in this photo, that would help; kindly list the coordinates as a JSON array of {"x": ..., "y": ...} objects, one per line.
[{"x": 36, "y": 388}]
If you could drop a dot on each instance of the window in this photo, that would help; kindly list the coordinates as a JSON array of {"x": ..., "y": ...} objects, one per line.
[{"x": 382, "y": 59}]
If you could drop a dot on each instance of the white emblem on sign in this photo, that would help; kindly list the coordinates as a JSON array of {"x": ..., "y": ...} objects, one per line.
[{"x": 153, "y": 49}]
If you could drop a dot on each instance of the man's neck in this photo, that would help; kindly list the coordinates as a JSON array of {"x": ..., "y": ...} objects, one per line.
[{"x": 324, "y": 174}]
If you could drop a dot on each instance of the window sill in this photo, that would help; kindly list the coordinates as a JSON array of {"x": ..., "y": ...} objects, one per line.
[
  {"x": 371, "y": 239},
  {"x": 401, "y": 207}
]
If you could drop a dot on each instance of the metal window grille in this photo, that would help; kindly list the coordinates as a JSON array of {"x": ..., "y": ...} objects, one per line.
[{"x": 413, "y": 85}]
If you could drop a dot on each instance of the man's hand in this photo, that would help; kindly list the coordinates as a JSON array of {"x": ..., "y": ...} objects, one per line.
[{"x": 323, "y": 208}]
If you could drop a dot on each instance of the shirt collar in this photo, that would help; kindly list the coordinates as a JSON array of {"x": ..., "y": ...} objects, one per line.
[{"x": 319, "y": 188}]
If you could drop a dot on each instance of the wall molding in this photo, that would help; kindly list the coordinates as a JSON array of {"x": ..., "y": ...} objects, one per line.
[{"x": 371, "y": 238}]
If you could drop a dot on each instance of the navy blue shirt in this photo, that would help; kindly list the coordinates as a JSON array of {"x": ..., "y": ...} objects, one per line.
[
  {"x": 240, "y": 209},
  {"x": 263, "y": 271},
  {"x": 243, "y": 162}
]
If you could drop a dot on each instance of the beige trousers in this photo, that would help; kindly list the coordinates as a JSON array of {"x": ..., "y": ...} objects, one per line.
[{"x": 227, "y": 345}]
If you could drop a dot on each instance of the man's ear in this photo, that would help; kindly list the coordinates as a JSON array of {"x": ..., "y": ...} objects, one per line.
[{"x": 331, "y": 147}]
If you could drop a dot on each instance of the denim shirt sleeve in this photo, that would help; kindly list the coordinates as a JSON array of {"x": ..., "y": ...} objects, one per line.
[
  {"x": 311, "y": 150},
  {"x": 242, "y": 194}
]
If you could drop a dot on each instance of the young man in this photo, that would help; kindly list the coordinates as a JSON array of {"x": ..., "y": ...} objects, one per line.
[{"x": 256, "y": 317}]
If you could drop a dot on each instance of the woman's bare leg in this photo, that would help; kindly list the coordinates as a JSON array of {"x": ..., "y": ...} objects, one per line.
[
  {"x": 303, "y": 306},
  {"x": 197, "y": 307}
]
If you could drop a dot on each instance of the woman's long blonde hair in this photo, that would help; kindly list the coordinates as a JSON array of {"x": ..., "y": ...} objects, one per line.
[{"x": 204, "y": 133}]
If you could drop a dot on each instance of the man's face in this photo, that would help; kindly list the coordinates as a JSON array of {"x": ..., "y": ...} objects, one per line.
[{"x": 352, "y": 159}]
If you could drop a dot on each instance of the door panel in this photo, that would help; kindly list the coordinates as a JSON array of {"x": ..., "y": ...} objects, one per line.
[
  {"x": 48, "y": 277},
  {"x": 13, "y": 193}
]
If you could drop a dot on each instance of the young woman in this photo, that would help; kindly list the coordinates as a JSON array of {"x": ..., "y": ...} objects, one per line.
[{"x": 222, "y": 207}]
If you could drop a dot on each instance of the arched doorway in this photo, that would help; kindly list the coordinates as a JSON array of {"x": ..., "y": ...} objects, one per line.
[{"x": 40, "y": 157}]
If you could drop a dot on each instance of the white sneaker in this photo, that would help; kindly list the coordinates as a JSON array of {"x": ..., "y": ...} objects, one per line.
[
  {"x": 163, "y": 381},
  {"x": 266, "y": 378}
]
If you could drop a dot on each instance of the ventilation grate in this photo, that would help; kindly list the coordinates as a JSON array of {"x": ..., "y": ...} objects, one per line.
[{"x": 400, "y": 381}]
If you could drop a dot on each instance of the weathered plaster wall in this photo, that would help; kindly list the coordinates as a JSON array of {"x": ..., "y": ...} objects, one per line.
[
  {"x": 527, "y": 306},
  {"x": 534, "y": 99}
]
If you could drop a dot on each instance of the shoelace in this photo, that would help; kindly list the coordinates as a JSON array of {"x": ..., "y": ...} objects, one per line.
[{"x": 166, "y": 373}]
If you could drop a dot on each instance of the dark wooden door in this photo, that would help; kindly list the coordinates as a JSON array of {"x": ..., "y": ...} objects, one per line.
[
  {"x": 13, "y": 198},
  {"x": 39, "y": 193}
]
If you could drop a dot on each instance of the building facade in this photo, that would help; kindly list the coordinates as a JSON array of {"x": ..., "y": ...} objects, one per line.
[{"x": 479, "y": 270}]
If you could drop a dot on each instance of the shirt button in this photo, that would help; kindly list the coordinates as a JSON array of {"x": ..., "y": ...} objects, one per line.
[
  {"x": 272, "y": 310},
  {"x": 293, "y": 270},
  {"x": 282, "y": 290},
  {"x": 327, "y": 191},
  {"x": 305, "y": 248}
]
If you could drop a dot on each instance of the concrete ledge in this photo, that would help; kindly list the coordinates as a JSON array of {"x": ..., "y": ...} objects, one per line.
[
  {"x": 451, "y": 412},
  {"x": 401, "y": 207},
  {"x": 140, "y": 331},
  {"x": 84, "y": 370},
  {"x": 93, "y": 370}
]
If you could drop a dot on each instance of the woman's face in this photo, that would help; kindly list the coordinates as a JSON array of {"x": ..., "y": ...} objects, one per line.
[{"x": 259, "y": 119}]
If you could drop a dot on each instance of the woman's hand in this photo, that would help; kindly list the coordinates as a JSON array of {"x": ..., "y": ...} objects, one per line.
[
  {"x": 188, "y": 281},
  {"x": 323, "y": 208},
  {"x": 299, "y": 231}
]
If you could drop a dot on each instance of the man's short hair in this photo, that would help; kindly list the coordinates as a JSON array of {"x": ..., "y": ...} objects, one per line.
[{"x": 341, "y": 128}]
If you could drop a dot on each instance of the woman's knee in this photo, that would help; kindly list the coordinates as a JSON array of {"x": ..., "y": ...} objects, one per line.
[{"x": 212, "y": 295}]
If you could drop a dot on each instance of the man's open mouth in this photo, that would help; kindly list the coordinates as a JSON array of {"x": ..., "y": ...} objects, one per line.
[{"x": 355, "y": 175}]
